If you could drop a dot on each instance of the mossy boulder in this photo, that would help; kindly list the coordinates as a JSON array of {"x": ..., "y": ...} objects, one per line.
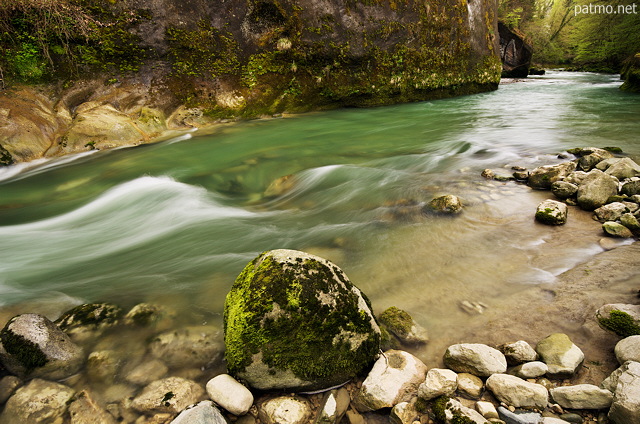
[
  {"x": 33, "y": 346},
  {"x": 621, "y": 319},
  {"x": 87, "y": 321},
  {"x": 551, "y": 212},
  {"x": 447, "y": 204},
  {"x": 401, "y": 325},
  {"x": 294, "y": 321}
]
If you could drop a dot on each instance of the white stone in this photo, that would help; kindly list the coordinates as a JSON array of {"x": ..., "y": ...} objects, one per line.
[
  {"x": 455, "y": 407},
  {"x": 530, "y": 370},
  {"x": 628, "y": 349},
  {"x": 394, "y": 377},
  {"x": 470, "y": 385},
  {"x": 517, "y": 392},
  {"x": 560, "y": 354},
  {"x": 626, "y": 400},
  {"x": 474, "y": 358},
  {"x": 486, "y": 409},
  {"x": 39, "y": 401},
  {"x": 203, "y": 412},
  {"x": 437, "y": 383},
  {"x": 169, "y": 395},
  {"x": 518, "y": 352},
  {"x": 404, "y": 413},
  {"x": 333, "y": 407},
  {"x": 231, "y": 395},
  {"x": 582, "y": 396},
  {"x": 285, "y": 410}
]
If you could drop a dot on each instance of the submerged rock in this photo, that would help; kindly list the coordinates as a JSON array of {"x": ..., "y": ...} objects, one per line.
[
  {"x": 197, "y": 346},
  {"x": 87, "y": 321},
  {"x": 86, "y": 410},
  {"x": 551, "y": 212},
  {"x": 294, "y": 321},
  {"x": 169, "y": 395},
  {"x": 39, "y": 401},
  {"x": 448, "y": 204},
  {"x": 33, "y": 346},
  {"x": 402, "y": 325}
]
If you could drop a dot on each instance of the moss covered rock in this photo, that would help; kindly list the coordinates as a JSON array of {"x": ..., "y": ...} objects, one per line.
[
  {"x": 619, "y": 318},
  {"x": 402, "y": 326},
  {"x": 551, "y": 212},
  {"x": 87, "y": 321},
  {"x": 33, "y": 346},
  {"x": 295, "y": 321}
]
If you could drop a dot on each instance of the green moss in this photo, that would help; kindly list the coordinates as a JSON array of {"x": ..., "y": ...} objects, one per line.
[
  {"x": 439, "y": 406},
  {"x": 26, "y": 352},
  {"x": 620, "y": 323},
  {"x": 265, "y": 312},
  {"x": 397, "y": 321},
  {"x": 89, "y": 314}
]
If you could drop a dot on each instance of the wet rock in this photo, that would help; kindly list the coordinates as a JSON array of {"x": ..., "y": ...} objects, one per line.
[
  {"x": 8, "y": 385},
  {"x": 595, "y": 189},
  {"x": 615, "y": 229},
  {"x": 620, "y": 168},
  {"x": 518, "y": 352},
  {"x": 145, "y": 314},
  {"x": 610, "y": 383},
  {"x": 333, "y": 406},
  {"x": 517, "y": 392},
  {"x": 563, "y": 189},
  {"x": 474, "y": 358},
  {"x": 394, "y": 378},
  {"x": 103, "y": 366},
  {"x": 590, "y": 161},
  {"x": 280, "y": 186},
  {"x": 626, "y": 401},
  {"x": 487, "y": 409},
  {"x": 453, "y": 411},
  {"x": 438, "y": 382},
  {"x": 33, "y": 346},
  {"x": 488, "y": 174},
  {"x": 448, "y": 204},
  {"x": 611, "y": 211},
  {"x": 401, "y": 324},
  {"x": 204, "y": 412},
  {"x": 520, "y": 417},
  {"x": 227, "y": 392},
  {"x": 404, "y": 413},
  {"x": 582, "y": 396},
  {"x": 532, "y": 369},
  {"x": 542, "y": 177},
  {"x": 619, "y": 318},
  {"x": 560, "y": 354},
  {"x": 147, "y": 372},
  {"x": 88, "y": 321},
  {"x": 285, "y": 410},
  {"x": 551, "y": 212},
  {"x": 169, "y": 395},
  {"x": 472, "y": 308},
  {"x": 85, "y": 410},
  {"x": 628, "y": 349},
  {"x": 39, "y": 401},
  {"x": 631, "y": 188},
  {"x": 300, "y": 312},
  {"x": 197, "y": 346},
  {"x": 470, "y": 386},
  {"x": 631, "y": 222}
]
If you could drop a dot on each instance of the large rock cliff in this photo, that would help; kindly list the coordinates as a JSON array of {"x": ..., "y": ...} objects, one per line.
[{"x": 191, "y": 62}]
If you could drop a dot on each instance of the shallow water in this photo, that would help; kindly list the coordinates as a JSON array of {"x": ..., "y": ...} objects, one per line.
[{"x": 175, "y": 222}]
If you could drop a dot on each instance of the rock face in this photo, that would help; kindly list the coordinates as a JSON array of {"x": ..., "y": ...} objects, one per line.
[
  {"x": 295, "y": 321},
  {"x": 33, "y": 346},
  {"x": 630, "y": 73},
  {"x": 255, "y": 58},
  {"x": 514, "y": 52},
  {"x": 477, "y": 359},
  {"x": 39, "y": 401},
  {"x": 560, "y": 354}
]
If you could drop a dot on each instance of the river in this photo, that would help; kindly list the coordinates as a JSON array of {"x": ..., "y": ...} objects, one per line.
[{"x": 173, "y": 223}]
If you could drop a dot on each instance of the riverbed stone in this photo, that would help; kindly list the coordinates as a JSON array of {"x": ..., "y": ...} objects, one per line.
[
  {"x": 531, "y": 369},
  {"x": 518, "y": 352},
  {"x": 230, "y": 394},
  {"x": 475, "y": 358},
  {"x": 582, "y": 396},
  {"x": 590, "y": 161},
  {"x": 454, "y": 411},
  {"x": 620, "y": 318},
  {"x": 88, "y": 321},
  {"x": 470, "y": 386},
  {"x": 404, "y": 413},
  {"x": 626, "y": 400},
  {"x": 631, "y": 222},
  {"x": 147, "y": 372},
  {"x": 628, "y": 349},
  {"x": 204, "y": 412},
  {"x": 542, "y": 177},
  {"x": 394, "y": 378},
  {"x": 615, "y": 229},
  {"x": 519, "y": 417},
  {"x": 39, "y": 401},
  {"x": 197, "y": 346},
  {"x": 85, "y": 410},
  {"x": 103, "y": 365},
  {"x": 611, "y": 211},
  {"x": 447, "y": 204},
  {"x": 631, "y": 187},
  {"x": 31, "y": 345},
  {"x": 438, "y": 382},
  {"x": 294, "y": 321},
  {"x": 551, "y": 212},
  {"x": 333, "y": 406},
  {"x": 401, "y": 324},
  {"x": 487, "y": 409},
  {"x": 169, "y": 395},
  {"x": 620, "y": 168},
  {"x": 563, "y": 189},
  {"x": 8, "y": 385},
  {"x": 560, "y": 354},
  {"x": 285, "y": 410},
  {"x": 595, "y": 189},
  {"x": 517, "y": 392}
]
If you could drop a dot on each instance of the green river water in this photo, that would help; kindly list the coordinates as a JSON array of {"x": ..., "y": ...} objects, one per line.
[{"x": 175, "y": 222}]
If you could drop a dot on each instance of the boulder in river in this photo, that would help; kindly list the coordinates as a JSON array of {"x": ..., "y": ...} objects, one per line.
[
  {"x": 620, "y": 168},
  {"x": 616, "y": 229},
  {"x": 619, "y": 318},
  {"x": 595, "y": 189},
  {"x": 89, "y": 320},
  {"x": 564, "y": 189},
  {"x": 611, "y": 211},
  {"x": 31, "y": 345},
  {"x": 447, "y": 204},
  {"x": 542, "y": 177},
  {"x": 39, "y": 401},
  {"x": 551, "y": 212},
  {"x": 294, "y": 321},
  {"x": 402, "y": 325},
  {"x": 631, "y": 187}
]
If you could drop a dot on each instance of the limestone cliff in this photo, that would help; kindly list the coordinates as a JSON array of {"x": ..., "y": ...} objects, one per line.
[{"x": 192, "y": 62}]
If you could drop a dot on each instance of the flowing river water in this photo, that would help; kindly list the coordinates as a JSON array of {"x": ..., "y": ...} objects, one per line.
[{"x": 175, "y": 222}]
